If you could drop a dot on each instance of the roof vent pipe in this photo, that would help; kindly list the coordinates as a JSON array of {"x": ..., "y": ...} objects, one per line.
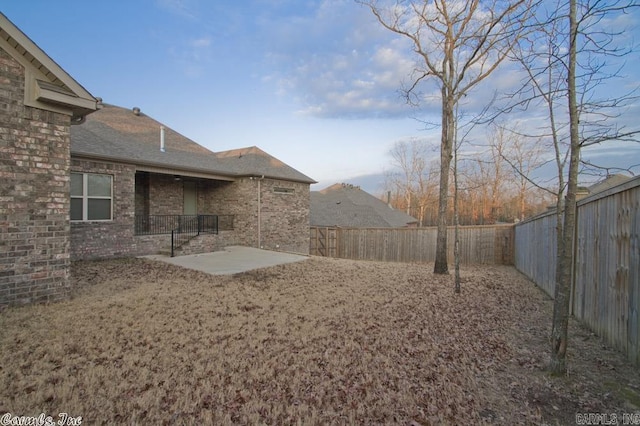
[{"x": 161, "y": 138}]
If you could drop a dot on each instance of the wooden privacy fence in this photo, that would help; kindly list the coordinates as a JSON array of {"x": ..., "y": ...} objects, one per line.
[
  {"x": 605, "y": 292},
  {"x": 478, "y": 244}
]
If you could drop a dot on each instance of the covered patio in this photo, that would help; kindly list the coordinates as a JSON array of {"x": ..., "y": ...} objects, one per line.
[{"x": 181, "y": 206}]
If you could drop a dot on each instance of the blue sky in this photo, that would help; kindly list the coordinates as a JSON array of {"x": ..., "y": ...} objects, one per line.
[{"x": 312, "y": 82}]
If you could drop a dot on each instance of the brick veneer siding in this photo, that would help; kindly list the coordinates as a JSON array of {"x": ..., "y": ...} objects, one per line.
[
  {"x": 106, "y": 239},
  {"x": 34, "y": 203},
  {"x": 284, "y": 217},
  {"x": 165, "y": 195},
  {"x": 238, "y": 199},
  {"x": 116, "y": 238},
  {"x": 140, "y": 193}
]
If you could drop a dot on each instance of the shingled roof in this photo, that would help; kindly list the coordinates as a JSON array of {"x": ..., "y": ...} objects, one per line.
[
  {"x": 124, "y": 135},
  {"x": 349, "y": 206}
]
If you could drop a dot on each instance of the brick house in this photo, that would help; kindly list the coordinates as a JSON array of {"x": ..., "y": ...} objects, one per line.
[
  {"x": 134, "y": 180},
  {"x": 82, "y": 180}
]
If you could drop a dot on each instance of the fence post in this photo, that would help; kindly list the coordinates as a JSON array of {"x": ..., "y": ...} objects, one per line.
[
  {"x": 326, "y": 242},
  {"x": 172, "y": 243}
]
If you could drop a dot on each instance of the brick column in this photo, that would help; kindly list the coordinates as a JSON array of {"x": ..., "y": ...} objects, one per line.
[{"x": 34, "y": 195}]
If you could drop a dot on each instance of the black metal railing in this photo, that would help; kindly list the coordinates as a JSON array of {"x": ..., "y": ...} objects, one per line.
[
  {"x": 180, "y": 239},
  {"x": 182, "y": 228},
  {"x": 190, "y": 228},
  {"x": 164, "y": 224}
]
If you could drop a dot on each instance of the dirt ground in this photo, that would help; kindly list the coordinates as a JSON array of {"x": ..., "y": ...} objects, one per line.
[{"x": 323, "y": 341}]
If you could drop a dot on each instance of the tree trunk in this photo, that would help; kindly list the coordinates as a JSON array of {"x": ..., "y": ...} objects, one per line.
[
  {"x": 559, "y": 331},
  {"x": 441, "y": 266},
  {"x": 456, "y": 218},
  {"x": 523, "y": 194}
]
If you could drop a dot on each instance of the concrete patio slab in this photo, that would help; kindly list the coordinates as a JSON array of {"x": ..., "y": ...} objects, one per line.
[{"x": 231, "y": 260}]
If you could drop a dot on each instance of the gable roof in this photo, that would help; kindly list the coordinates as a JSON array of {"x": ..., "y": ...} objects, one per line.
[
  {"x": 119, "y": 134},
  {"x": 252, "y": 161},
  {"x": 350, "y": 207},
  {"x": 47, "y": 85}
]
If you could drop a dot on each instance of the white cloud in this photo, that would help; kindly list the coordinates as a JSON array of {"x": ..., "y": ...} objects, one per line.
[
  {"x": 183, "y": 8},
  {"x": 200, "y": 42},
  {"x": 338, "y": 62},
  {"x": 192, "y": 56}
]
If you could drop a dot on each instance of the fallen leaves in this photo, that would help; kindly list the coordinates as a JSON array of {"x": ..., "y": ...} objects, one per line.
[{"x": 323, "y": 341}]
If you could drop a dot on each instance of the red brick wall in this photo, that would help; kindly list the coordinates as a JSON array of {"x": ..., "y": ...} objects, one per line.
[{"x": 34, "y": 201}]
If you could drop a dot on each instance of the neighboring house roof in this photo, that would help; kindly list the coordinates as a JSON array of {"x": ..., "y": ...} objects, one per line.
[
  {"x": 47, "y": 85},
  {"x": 124, "y": 135},
  {"x": 350, "y": 207},
  {"x": 608, "y": 182}
]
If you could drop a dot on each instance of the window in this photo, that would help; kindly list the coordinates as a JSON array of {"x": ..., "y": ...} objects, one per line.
[
  {"x": 91, "y": 196},
  {"x": 279, "y": 190}
]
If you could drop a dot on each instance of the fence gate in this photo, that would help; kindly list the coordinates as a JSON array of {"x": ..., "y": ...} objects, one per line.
[{"x": 323, "y": 241}]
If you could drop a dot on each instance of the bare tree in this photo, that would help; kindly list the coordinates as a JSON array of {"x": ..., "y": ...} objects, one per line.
[
  {"x": 523, "y": 156},
  {"x": 459, "y": 44},
  {"x": 560, "y": 323},
  {"x": 409, "y": 161},
  {"x": 426, "y": 193},
  {"x": 524, "y": 159},
  {"x": 485, "y": 173},
  {"x": 488, "y": 174},
  {"x": 589, "y": 45},
  {"x": 564, "y": 65}
]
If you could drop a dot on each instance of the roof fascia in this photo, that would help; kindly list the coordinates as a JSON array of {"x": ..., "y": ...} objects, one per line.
[
  {"x": 152, "y": 167},
  {"x": 78, "y": 101},
  {"x": 181, "y": 172},
  {"x": 261, "y": 176}
]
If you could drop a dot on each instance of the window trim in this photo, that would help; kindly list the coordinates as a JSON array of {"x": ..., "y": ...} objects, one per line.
[{"x": 85, "y": 197}]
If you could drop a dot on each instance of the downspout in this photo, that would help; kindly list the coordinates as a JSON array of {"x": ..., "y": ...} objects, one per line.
[{"x": 259, "y": 210}]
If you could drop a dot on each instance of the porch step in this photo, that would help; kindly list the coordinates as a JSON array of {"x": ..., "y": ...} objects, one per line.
[{"x": 164, "y": 252}]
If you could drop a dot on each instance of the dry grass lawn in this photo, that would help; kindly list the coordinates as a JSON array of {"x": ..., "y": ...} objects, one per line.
[{"x": 323, "y": 341}]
